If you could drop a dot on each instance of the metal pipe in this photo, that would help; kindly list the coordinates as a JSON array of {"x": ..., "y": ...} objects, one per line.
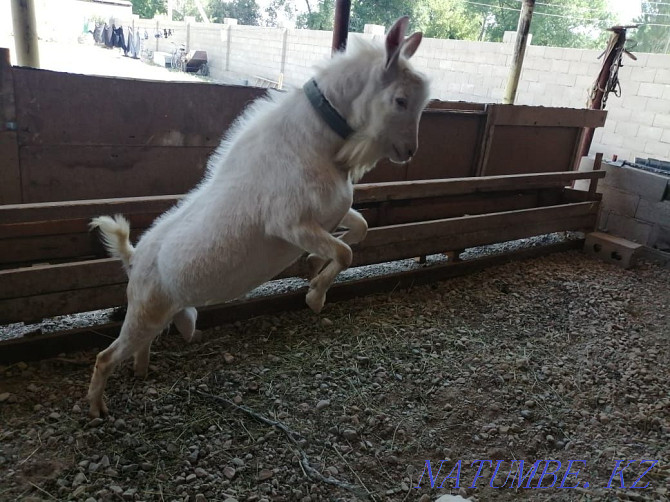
[
  {"x": 341, "y": 27},
  {"x": 25, "y": 33},
  {"x": 525, "y": 17}
]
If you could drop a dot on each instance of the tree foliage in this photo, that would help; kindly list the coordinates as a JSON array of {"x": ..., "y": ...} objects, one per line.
[
  {"x": 278, "y": 10},
  {"x": 320, "y": 15},
  {"x": 245, "y": 11},
  {"x": 147, "y": 9},
  {"x": 649, "y": 36}
]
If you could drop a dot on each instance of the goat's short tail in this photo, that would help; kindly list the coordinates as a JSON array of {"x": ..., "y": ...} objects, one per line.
[{"x": 116, "y": 237}]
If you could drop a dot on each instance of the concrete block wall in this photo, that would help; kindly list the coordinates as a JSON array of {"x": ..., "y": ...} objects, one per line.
[
  {"x": 256, "y": 51},
  {"x": 635, "y": 205}
]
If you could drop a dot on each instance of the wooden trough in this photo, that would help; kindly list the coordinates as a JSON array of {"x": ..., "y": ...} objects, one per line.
[{"x": 484, "y": 174}]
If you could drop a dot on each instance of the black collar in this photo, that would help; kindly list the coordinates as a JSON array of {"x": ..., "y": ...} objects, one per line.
[{"x": 323, "y": 107}]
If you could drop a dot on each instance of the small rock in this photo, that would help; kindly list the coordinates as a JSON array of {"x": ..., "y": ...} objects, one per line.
[
  {"x": 90, "y": 499},
  {"x": 326, "y": 322},
  {"x": 200, "y": 472},
  {"x": 193, "y": 456},
  {"x": 4, "y": 397},
  {"x": 22, "y": 366},
  {"x": 104, "y": 461},
  {"x": 152, "y": 392},
  {"x": 237, "y": 399},
  {"x": 95, "y": 422},
  {"x": 199, "y": 497},
  {"x": 79, "y": 479},
  {"x": 230, "y": 499},
  {"x": 116, "y": 489},
  {"x": 228, "y": 358},
  {"x": 229, "y": 472},
  {"x": 324, "y": 403},
  {"x": 129, "y": 494},
  {"x": 146, "y": 466},
  {"x": 93, "y": 467},
  {"x": 120, "y": 423},
  {"x": 76, "y": 409},
  {"x": 265, "y": 474},
  {"x": 238, "y": 462},
  {"x": 190, "y": 478},
  {"x": 54, "y": 416},
  {"x": 350, "y": 434}
]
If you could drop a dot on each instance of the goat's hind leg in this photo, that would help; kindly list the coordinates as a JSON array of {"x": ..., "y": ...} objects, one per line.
[
  {"x": 134, "y": 340},
  {"x": 184, "y": 320}
]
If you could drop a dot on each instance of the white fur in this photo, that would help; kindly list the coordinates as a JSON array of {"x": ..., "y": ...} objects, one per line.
[{"x": 277, "y": 186}]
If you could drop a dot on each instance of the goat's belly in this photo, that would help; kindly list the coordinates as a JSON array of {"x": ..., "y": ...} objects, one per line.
[{"x": 227, "y": 276}]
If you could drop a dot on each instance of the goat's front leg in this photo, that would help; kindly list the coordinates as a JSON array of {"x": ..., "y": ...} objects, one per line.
[
  {"x": 357, "y": 229},
  {"x": 314, "y": 239}
]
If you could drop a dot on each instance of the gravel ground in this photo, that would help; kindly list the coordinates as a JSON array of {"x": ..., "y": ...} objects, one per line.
[{"x": 561, "y": 357}]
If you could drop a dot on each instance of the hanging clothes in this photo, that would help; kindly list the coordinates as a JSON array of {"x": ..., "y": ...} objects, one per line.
[
  {"x": 107, "y": 33},
  {"x": 97, "y": 34},
  {"x": 117, "y": 37},
  {"x": 130, "y": 42},
  {"x": 126, "y": 38}
]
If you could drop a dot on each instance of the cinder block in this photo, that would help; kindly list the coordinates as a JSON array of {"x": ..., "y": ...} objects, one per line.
[
  {"x": 612, "y": 249},
  {"x": 659, "y": 60},
  {"x": 629, "y": 228},
  {"x": 657, "y": 149},
  {"x": 627, "y": 128},
  {"x": 661, "y": 120},
  {"x": 653, "y": 212},
  {"x": 652, "y": 133},
  {"x": 665, "y": 137},
  {"x": 662, "y": 76},
  {"x": 658, "y": 106},
  {"x": 660, "y": 237},
  {"x": 651, "y": 90},
  {"x": 643, "y": 75},
  {"x": 619, "y": 201},
  {"x": 649, "y": 186},
  {"x": 634, "y": 102}
]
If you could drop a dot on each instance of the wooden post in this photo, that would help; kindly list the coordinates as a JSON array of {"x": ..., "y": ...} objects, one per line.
[
  {"x": 25, "y": 33},
  {"x": 519, "y": 51},
  {"x": 341, "y": 28},
  {"x": 597, "y": 164}
]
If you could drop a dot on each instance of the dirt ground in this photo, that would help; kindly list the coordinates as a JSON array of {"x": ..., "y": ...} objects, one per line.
[{"x": 559, "y": 358}]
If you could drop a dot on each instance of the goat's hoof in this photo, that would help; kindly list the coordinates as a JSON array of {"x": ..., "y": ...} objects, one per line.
[
  {"x": 98, "y": 409},
  {"x": 196, "y": 336},
  {"x": 315, "y": 300},
  {"x": 141, "y": 373}
]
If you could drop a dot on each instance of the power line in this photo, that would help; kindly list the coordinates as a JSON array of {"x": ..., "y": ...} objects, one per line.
[{"x": 575, "y": 18}]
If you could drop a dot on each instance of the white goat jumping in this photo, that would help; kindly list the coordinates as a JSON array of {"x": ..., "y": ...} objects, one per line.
[{"x": 278, "y": 184}]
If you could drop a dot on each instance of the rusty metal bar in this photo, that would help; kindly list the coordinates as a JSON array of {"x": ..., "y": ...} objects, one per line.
[
  {"x": 341, "y": 27},
  {"x": 25, "y": 33},
  {"x": 614, "y": 47},
  {"x": 525, "y": 17}
]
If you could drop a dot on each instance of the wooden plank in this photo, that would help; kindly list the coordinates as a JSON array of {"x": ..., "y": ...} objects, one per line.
[
  {"x": 41, "y": 346},
  {"x": 467, "y": 231},
  {"x": 124, "y": 112},
  {"x": 516, "y": 115},
  {"x": 525, "y": 149},
  {"x": 39, "y": 307},
  {"x": 41, "y": 279},
  {"x": 49, "y": 211},
  {"x": 363, "y": 194},
  {"x": 459, "y": 186},
  {"x": 71, "y": 172},
  {"x": 10, "y": 173}
]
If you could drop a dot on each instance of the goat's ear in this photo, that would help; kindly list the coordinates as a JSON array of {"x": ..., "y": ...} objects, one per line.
[
  {"x": 411, "y": 44},
  {"x": 394, "y": 40}
]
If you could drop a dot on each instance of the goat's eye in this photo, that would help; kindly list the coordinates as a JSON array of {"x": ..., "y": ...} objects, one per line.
[{"x": 401, "y": 102}]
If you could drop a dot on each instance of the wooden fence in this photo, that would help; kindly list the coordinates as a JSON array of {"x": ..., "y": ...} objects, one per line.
[{"x": 74, "y": 147}]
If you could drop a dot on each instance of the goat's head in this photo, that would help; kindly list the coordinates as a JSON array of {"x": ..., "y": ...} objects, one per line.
[{"x": 386, "y": 100}]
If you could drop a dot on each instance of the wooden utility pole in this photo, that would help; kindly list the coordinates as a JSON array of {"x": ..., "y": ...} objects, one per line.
[
  {"x": 25, "y": 33},
  {"x": 519, "y": 51},
  {"x": 341, "y": 28}
]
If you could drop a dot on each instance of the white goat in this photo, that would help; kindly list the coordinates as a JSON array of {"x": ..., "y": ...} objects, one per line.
[{"x": 277, "y": 185}]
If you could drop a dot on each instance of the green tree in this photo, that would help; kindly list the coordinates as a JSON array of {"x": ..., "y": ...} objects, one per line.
[
  {"x": 320, "y": 15},
  {"x": 148, "y": 8},
  {"x": 245, "y": 11},
  {"x": 650, "y": 36},
  {"x": 558, "y": 23},
  {"x": 383, "y": 12},
  {"x": 445, "y": 19},
  {"x": 277, "y": 8}
]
